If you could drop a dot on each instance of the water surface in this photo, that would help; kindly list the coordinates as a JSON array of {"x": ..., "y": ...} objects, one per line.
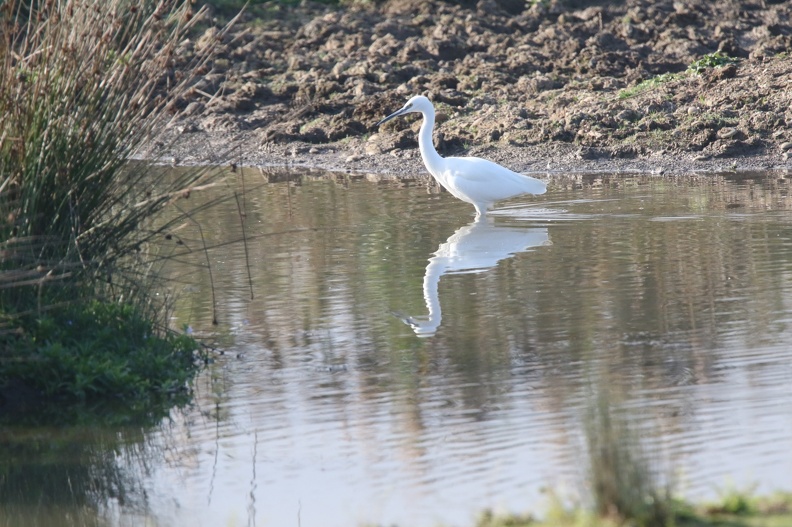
[{"x": 388, "y": 360}]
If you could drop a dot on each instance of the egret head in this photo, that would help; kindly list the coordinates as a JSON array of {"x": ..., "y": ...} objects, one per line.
[{"x": 419, "y": 103}]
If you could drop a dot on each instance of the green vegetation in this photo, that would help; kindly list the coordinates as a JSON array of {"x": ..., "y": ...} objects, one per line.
[
  {"x": 772, "y": 511},
  {"x": 711, "y": 60},
  {"x": 83, "y": 86},
  {"x": 92, "y": 350}
]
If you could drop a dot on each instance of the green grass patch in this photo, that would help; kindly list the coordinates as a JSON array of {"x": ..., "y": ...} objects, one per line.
[
  {"x": 711, "y": 60},
  {"x": 98, "y": 350}
]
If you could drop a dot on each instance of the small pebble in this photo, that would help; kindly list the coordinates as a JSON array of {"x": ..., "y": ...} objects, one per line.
[{"x": 786, "y": 146}]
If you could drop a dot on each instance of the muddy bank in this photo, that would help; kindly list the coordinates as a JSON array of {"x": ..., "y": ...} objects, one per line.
[{"x": 642, "y": 85}]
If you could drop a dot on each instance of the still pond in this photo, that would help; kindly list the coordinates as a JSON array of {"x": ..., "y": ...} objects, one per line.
[{"x": 387, "y": 360}]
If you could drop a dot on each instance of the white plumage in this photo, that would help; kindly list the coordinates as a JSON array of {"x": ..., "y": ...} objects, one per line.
[{"x": 471, "y": 179}]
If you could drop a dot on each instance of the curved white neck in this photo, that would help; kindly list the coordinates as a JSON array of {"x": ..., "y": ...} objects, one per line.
[{"x": 431, "y": 158}]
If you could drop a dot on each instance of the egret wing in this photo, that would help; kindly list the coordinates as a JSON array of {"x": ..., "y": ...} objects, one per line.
[{"x": 484, "y": 181}]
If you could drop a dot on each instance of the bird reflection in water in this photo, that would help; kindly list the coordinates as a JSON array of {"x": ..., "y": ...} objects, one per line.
[{"x": 474, "y": 248}]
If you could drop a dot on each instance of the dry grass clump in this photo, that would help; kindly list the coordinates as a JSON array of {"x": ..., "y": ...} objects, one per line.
[{"x": 83, "y": 85}]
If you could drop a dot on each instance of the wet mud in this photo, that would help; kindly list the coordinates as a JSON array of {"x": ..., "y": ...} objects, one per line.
[{"x": 660, "y": 86}]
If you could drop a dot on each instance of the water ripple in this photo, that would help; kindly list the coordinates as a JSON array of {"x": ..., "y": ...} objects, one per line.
[{"x": 656, "y": 298}]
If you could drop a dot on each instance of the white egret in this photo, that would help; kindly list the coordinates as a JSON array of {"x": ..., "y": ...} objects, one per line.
[{"x": 470, "y": 179}]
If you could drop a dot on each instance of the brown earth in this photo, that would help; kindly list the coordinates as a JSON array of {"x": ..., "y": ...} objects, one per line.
[{"x": 542, "y": 85}]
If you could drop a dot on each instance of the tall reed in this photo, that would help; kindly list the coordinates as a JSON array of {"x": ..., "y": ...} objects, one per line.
[{"x": 83, "y": 85}]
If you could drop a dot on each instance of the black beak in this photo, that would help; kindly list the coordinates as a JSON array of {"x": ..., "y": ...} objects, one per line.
[{"x": 391, "y": 116}]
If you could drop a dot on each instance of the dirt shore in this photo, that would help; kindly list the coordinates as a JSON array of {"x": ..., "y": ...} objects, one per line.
[{"x": 641, "y": 85}]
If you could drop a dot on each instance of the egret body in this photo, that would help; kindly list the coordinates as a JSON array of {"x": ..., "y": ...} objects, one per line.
[{"x": 471, "y": 179}]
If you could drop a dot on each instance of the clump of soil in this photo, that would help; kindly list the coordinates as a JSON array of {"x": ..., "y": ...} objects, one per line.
[{"x": 545, "y": 84}]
